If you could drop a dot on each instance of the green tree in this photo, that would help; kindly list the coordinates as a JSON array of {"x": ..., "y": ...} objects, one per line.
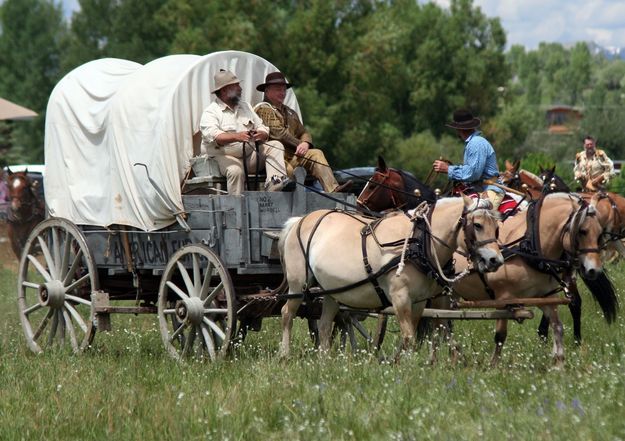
[{"x": 30, "y": 49}]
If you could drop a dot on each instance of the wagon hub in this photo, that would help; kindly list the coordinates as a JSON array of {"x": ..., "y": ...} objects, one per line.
[
  {"x": 190, "y": 310},
  {"x": 52, "y": 294}
]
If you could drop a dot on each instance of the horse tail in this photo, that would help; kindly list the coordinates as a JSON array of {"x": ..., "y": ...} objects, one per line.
[
  {"x": 602, "y": 291},
  {"x": 288, "y": 226}
]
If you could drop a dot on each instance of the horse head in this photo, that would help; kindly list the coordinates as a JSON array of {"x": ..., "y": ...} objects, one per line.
[
  {"x": 22, "y": 194},
  {"x": 551, "y": 181},
  {"x": 481, "y": 232},
  {"x": 390, "y": 188},
  {"x": 582, "y": 238}
]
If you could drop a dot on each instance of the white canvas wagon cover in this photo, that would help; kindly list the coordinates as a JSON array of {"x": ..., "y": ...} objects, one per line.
[{"x": 109, "y": 114}]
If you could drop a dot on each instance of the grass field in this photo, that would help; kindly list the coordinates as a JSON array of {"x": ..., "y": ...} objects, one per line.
[{"x": 126, "y": 387}]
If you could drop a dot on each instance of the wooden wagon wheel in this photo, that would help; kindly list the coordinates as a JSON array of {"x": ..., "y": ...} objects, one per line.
[
  {"x": 57, "y": 275},
  {"x": 349, "y": 328},
  {"x": 196, "y": 306}
]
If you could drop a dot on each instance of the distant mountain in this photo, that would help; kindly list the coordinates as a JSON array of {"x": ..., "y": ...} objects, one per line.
[{"x": 611, "y": 53}]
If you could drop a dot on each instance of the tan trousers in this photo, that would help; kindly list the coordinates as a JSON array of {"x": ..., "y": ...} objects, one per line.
[
  {"x": 271, "y": 157},
  {"x": 316, "y": 164},
  {"x": 494, "y": 197}
]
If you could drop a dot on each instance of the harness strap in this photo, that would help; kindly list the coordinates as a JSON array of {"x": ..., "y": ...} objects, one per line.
[{"x": 364, "y": 233}]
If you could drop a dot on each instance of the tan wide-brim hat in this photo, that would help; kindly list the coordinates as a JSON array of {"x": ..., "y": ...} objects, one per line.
[
  {"x": 463, "y": 119},
  {"x": 224, "y": 78},
  {"x": 273, "y": 78}
]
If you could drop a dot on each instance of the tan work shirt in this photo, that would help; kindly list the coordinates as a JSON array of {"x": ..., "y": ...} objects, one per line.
[
  {"x": 586, "y": 169},
  {"x": 284, "y": 125},
  {"x": 220, "y": 118}
]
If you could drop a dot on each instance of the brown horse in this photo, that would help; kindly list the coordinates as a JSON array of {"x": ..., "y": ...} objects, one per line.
[{"x": 26, "y": 209}]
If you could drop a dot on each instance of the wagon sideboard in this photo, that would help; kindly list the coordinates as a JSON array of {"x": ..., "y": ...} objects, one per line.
[{"x": 242, "y": 230}]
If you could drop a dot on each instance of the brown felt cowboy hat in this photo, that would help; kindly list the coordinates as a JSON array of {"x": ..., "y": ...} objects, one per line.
[
  {"x": 463, "y": 119},
  {"x": 224, "y": 78},
  {"x": 273, "y": 78}
]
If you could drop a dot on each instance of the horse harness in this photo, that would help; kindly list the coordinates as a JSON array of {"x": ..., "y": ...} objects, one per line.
[
  {"x": 418, "y": 253},
  {"x": 529, "y": 249}
]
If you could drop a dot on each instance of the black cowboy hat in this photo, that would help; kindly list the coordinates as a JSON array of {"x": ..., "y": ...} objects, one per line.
[
  {"x": 273, "y": 78},
  {"x": 463, "y": 119}
]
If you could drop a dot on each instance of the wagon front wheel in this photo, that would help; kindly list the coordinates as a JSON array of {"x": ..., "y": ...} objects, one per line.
[
  {"x": 196, "y": 305},
  {"x": 57, "y": 276}
]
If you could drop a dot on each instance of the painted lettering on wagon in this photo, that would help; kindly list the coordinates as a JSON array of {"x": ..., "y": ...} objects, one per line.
[
  {"x": 149, "y": 252},
  {"x": 266, "y": 205}
]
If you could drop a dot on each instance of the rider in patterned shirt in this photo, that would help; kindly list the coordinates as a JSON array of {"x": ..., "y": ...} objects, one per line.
[{"x": 593, "y": 168}]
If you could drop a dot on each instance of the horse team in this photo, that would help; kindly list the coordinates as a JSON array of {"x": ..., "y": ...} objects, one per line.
[{"x": 405, "y": 259}]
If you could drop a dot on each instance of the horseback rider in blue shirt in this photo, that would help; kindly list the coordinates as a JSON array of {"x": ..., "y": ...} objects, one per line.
[{"x": 479, "y": 170}]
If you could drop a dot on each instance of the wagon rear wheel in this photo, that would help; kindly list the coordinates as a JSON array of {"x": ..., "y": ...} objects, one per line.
[
  {"x": 196, "y": 305},
  {"x": 56, "y": 277}
]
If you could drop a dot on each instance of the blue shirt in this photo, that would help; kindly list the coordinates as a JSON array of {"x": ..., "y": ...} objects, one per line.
[{"x": 480, "y": 162}]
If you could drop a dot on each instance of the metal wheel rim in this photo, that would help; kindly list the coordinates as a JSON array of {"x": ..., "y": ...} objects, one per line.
[
  {"x": 57, "y": 275},
  {"x": 209, "y": 334}
]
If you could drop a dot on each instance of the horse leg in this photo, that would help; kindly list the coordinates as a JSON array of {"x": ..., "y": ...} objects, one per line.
[
  {"x": 558, "y": 332},
  {"x": 326, "y": 322},
  {"x": 543, "y": 328},
  {"x": 289, "y": 310},
  {"x": 404, "y": 313},
  {"x": 501, "y": 333}
]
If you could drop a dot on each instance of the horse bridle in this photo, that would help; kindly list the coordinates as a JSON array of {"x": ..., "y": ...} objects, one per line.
[
  {"x": 32, "y": 201},
  {"x": 379, "y": 185}
]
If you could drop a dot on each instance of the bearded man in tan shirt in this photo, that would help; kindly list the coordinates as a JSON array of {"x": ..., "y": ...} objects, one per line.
[{"x": 285, "y": 126}]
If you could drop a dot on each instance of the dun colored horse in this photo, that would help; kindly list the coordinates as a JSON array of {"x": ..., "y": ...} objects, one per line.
[
  {"x": 26, "y": 209},
  {"x": 611, "y": 216},
  {"x": 353, "y": 259},
  {"x": 561, "y": 235}
]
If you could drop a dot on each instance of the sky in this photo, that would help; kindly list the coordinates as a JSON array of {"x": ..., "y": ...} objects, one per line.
[{"x": 528, "y": 22}]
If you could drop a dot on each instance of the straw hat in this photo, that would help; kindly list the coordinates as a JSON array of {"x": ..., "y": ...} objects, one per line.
[{"x": 224, "y": 78}]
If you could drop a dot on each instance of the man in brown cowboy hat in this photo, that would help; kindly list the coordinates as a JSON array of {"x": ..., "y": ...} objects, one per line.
[
  {"x": 593, "y": 168},
  {"x": 479, "y": 169},
  {"x": 230, "y": 129},
  {"x": 286, "y": 127}
]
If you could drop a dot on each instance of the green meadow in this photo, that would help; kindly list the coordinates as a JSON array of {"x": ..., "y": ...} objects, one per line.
[{"x": 127, "y": 388}]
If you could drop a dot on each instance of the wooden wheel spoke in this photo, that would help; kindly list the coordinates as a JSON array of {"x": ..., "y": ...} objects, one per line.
[
  {"x": 215, "y": 328},
  {"x": 48, "y": 257},
  {"x": 70, "y": 329},
  {"x": 213, "y": 294},
  {"x": 77, "y": 299},
  {"x": 208, "y": 275},
  {"x": 53, "y": 327},
  {"x": 188, "y": 345},
  {"x": 33, "y": 308},
  {"x": 56, "y": 251},
  {"x": 42, "y": 324},
  {"x": 67, "y": 248},
  {"x": 171, "y": 285},
  {"x": 361, "y": 329},
  {"x": 210, "y": 344},
  {"x": 215, "y": 311},
  {"x": 72, "y": 270},
  {"x": 187, "y": 280},
  {"x": 40, "y": 269},
  {"x": 78, "y": 283},
  {"x": 177, "y": 332},
  {"x": 26, "y": 284},
  {"x": 197, "y": 274},
  {"x": 76, "y": 316}
]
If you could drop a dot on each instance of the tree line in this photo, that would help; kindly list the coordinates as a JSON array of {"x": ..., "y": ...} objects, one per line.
[{"x": 372, "y": 77}]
